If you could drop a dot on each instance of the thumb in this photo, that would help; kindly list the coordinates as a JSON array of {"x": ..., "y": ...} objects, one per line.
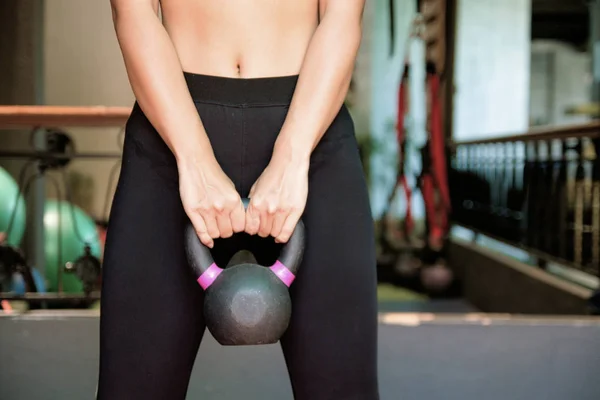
[
  {"x": 252, "y": 190},
  {"x": 252, "y": 220}
]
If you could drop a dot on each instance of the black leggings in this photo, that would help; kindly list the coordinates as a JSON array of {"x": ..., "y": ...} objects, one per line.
[{"x": 152, "y": 324}]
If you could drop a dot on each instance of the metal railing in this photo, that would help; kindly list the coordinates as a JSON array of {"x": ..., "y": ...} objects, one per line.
[{"x": 539, "y": 191}]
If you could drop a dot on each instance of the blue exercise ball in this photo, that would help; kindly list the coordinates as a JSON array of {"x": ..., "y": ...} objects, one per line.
[{"x": 9, "y": 204}]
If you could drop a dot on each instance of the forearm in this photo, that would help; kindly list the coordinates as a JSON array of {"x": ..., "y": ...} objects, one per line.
[
  {"x": 323, "y": 82},
  {"x": 157, "y": 80}
]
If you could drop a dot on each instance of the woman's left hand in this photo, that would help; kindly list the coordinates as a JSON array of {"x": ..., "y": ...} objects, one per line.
[{"x": 278, "y": 198}]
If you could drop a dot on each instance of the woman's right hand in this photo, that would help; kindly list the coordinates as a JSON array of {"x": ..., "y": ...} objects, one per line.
[{"x": 210, "y": 201}]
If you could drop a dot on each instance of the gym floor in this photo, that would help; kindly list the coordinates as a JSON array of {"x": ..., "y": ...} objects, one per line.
[{"x": 424, "y": 355}]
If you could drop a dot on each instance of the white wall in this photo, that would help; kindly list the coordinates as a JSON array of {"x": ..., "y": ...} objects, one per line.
[
  {"x": 492, "y": 68},
  {"x": 83, "y": 66},
  {"x": 560, "y": 79}
]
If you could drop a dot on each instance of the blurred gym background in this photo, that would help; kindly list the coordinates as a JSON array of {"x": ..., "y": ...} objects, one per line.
[{"x": 479, "y": 134}]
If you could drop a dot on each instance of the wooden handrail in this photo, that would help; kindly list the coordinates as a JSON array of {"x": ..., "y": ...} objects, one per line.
[
  {"x": 588, "y": 130},
  {"x": 13, "y": 117}
]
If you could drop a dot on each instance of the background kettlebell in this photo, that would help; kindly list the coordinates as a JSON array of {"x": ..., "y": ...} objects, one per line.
[
  {"x": 87, "y": 268},
  {"x": 246, "y": 304}
]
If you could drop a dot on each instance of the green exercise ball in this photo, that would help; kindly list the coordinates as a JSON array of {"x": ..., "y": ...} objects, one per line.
[
  {"x": 72, "y": 245},
  {"x": 8, "y": 200}
]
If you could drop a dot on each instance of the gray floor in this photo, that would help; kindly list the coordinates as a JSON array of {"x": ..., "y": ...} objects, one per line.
[
  {"x": 431, "y": 306},
  {"x": 51, "y": 359}
]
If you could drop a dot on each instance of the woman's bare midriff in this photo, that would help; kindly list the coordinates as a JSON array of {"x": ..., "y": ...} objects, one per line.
[{"x": 241, "y": 38}]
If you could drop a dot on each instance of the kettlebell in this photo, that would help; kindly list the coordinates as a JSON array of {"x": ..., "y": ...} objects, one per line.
[
  {"x": 87, "y": 268},
  {"x": 246, "y": 304},
  {"x": 59, "y": 143}
]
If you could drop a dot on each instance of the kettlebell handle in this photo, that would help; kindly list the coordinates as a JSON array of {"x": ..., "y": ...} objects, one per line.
[{"x": 206, "y": 271}]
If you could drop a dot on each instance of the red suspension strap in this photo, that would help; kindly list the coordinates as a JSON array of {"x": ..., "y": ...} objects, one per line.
[
  {"x": 400, "y": 135},
  {"x": 434, "y": 182}
]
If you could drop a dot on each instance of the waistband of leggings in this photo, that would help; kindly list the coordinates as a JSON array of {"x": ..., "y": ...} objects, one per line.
[{"x": 241, "y": 91}]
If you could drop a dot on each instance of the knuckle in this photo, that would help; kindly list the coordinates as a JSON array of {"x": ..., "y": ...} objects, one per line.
[
  {"x": 218, "y": 207},
  {"x": 202, "y": 208},
  {"x": 257, "y": 202},
  {"x": 232, "y": 200}
]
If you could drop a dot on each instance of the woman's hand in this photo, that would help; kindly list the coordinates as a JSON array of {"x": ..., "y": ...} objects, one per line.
[
  {"x": 278, "y": 198},
  {"x": 210, "y": 200}
]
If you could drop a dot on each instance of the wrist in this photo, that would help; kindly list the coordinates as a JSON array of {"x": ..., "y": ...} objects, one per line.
[
  {"x": 190, "y": 146},
  {"x": 292, "y": 150},
  {"x": 200, "y": 158}
]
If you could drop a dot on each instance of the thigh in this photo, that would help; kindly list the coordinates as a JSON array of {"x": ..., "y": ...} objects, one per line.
[
  {"x": 331, "y": 344},
  {"x": 151, "y": 314}
]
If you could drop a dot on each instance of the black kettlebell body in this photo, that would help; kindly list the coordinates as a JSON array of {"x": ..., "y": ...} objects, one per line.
[
  {"x": 87, "y": 268},
  {"x": 246, "y": 304}
]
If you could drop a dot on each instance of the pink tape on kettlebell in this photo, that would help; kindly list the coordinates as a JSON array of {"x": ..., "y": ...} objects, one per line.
[
  {"x": 283, "y": 273},
  {"x": 208, "y": 277}
]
